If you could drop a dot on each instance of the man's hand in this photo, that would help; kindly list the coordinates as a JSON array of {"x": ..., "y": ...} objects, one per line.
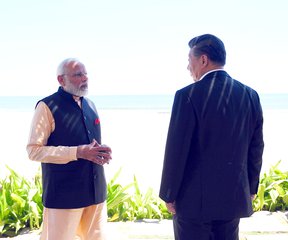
[
  {"x": 253, "y": 196},
  {"x": 95, "y": 152},
  {"x": 171, "y": 207}
]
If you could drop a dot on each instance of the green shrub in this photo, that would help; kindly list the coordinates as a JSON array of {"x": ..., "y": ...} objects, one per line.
[
  {"x": 20, "y": 203},
  {"x": 117, "y": 198},
  {"x": 273, "y": 191},
  {"x": 124, "y": 206}
]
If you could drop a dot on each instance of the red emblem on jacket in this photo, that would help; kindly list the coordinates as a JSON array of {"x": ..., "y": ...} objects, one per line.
[{"x": 97, "y": 121}]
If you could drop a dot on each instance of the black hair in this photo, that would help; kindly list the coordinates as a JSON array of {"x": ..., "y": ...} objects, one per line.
[{"x": 209, "y": 45}]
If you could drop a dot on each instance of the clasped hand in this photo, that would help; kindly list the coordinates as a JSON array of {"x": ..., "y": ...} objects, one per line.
[{"x": 95, "y": 152}]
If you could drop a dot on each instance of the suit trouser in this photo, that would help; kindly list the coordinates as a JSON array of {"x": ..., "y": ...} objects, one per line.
[
  {"x": 191, "y": 229},
  {"x": 81, "y": 223}
]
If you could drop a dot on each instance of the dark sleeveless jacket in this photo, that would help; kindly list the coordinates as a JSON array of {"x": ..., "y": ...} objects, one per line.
[{"x": 78, "y": 183}]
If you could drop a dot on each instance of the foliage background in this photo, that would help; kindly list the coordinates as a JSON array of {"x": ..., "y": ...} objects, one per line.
[{"x": 21, "y": 204}]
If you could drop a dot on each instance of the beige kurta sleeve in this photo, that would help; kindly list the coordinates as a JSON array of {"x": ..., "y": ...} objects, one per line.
[{"x": 42, "y": 126}]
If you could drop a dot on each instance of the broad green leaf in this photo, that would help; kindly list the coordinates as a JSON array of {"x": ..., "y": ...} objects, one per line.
[
  {"x": 274, "y": 195},
  {"x": 285, "y": 198}
]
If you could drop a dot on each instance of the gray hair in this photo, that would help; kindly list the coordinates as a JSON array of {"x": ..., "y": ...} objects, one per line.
[{"x": 62, "y": 66}]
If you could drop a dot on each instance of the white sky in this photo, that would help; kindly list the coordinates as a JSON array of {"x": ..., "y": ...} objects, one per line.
[{"x": 139, "y": 46}]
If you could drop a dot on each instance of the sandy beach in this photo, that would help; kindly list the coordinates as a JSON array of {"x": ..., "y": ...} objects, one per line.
[{"x": 137, "y": 138}]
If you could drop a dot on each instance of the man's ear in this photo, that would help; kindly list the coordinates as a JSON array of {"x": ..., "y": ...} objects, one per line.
[
  {"x": 60, "y": 79},
  {"x": 204, "y": 60}
]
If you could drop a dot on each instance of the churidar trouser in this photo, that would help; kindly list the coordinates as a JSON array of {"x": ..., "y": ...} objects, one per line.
[{"x": 80, "y": 224}]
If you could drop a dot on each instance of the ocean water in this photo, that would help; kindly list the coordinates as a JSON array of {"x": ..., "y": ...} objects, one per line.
[
  {"x": 23, "y": 103},
  {"x": 135, "y": 127}
]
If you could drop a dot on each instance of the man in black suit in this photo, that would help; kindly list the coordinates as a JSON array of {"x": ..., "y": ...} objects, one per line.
[{"x": 214, "y": 148}]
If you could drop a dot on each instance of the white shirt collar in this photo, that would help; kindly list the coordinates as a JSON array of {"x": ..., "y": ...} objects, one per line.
[{"x": 214, "y": 70}]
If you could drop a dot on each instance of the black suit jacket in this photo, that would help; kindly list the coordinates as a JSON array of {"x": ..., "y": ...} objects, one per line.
[{"x": 214, "y": 149}]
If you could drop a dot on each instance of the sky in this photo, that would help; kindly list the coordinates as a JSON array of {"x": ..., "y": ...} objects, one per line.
[{"x": 139, "y": 46}]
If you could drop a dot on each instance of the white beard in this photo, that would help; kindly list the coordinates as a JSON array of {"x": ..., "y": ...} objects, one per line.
[{"x": 80, "y": 92}]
